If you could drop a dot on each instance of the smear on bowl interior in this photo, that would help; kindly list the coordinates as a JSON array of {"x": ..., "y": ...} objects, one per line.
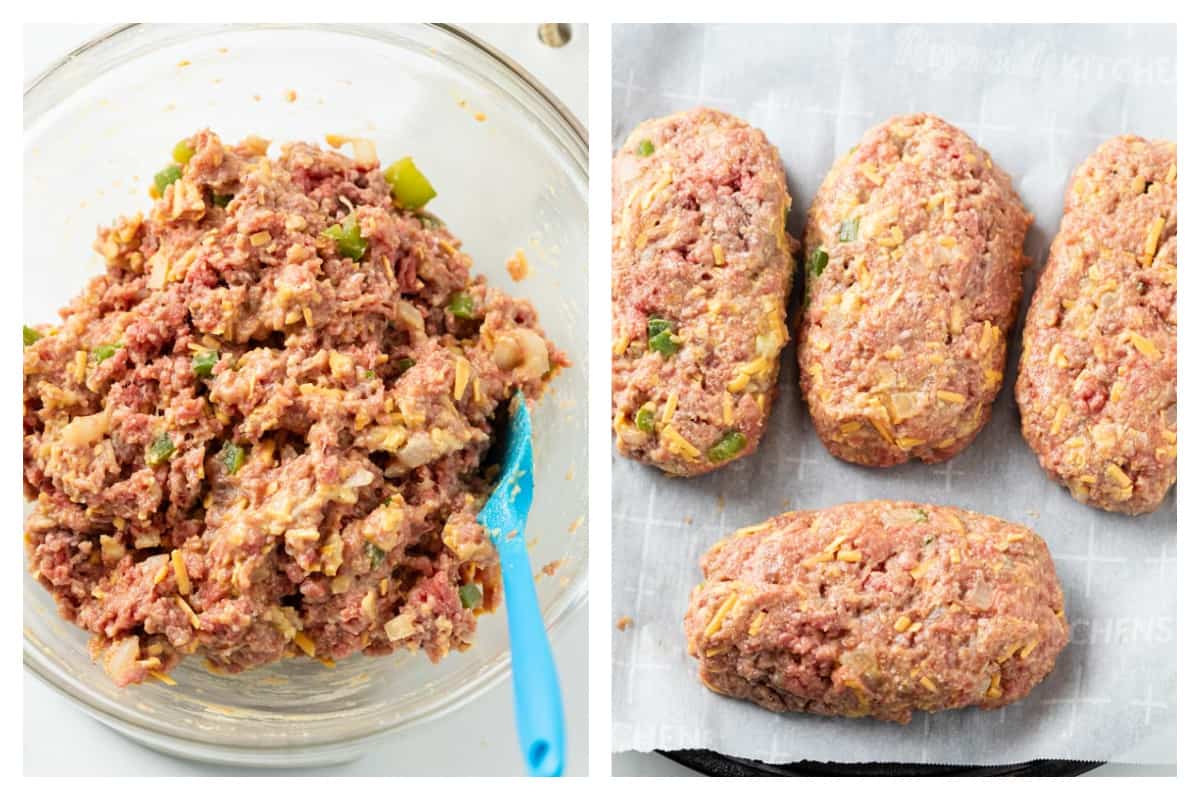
[{"x": 259, "y": 433}]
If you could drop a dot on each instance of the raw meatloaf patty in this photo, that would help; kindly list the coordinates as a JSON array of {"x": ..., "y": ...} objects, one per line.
[
  {"x": 913, "y": 279},
  {"x": 702, "y": 268},
  {"x": 257, "y": 435},
  {"x": 877, "y": 609},
  {"x": 1096, "y": 385}
]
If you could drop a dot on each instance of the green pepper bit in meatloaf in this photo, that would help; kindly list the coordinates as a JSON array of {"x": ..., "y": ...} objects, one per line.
[
  {"x": 877, "y": 609},
  {"x": 280, "y": 453}
]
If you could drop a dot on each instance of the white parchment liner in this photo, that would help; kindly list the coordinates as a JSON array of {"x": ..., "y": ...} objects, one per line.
[{"x": 1040, "y": 99}]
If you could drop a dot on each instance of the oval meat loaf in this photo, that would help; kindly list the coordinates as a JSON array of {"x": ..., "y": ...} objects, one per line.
[
  {"x": 702, "y": 268},
  {"x": 877, "y": 609},
  {"x": 913, "y": 279},
  {"x": 1096, "y": 384}
]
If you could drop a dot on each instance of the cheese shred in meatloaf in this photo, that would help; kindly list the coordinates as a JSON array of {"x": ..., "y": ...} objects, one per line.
[
  {"x": 1096, "y": 385},
  {"x": 702, "y": 268},
  {"x": 912, "y": 281},
  {"x": 877, "y": 609},
  {"x": 259, "y": 433}
]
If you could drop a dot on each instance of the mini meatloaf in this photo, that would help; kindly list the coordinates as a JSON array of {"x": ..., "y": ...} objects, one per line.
[
  {"x": 702, "y": 268},
  {"x": 877, "y": 609},
  {"x": 913, "y": 279},
  {"x": 1096, "y": 385},
  {"x": 259, "y": 434}
]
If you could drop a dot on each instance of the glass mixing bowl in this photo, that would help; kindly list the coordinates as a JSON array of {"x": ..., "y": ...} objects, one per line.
[{"x": 510, "y": 167}]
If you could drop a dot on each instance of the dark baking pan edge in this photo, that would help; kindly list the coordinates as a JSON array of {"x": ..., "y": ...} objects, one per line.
[{"x": 706, "y": 762}]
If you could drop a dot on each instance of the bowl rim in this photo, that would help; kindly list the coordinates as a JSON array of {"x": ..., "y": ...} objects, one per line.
[
  {"x": 117, "y": 715},
  {"x": 456, "y": 31}
]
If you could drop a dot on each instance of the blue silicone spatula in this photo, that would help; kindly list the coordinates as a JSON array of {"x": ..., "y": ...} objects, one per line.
[{"x": 538, "y": 700}]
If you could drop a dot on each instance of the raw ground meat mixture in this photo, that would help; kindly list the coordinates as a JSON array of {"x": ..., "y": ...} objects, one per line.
[
  {"x": 877, "y": 609},
  {"x": 913, "y": 281},
  {"x": 253, "y": 438},
  {"x": 702, "y": 268},
  {"x": 1097, "y": 380}
]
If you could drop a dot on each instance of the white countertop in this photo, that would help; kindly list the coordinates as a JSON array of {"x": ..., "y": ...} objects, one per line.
[{"x": 477, "y": 740}]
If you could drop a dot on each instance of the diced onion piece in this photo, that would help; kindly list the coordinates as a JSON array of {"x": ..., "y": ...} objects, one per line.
[
  {"x": 158, "y": 270},
  {"x": 147, "y": 540},
  {"x": 83, "y": 431},
  {"x": 361, "y": 477},
  {"x": 369, "y": 604},
  {"x": 111, "y": 549},
  {"x": 364, "y": 151},
  {"x": 340, "y": 364},
  {"x": 535, "y": 357},
  {"x": 410, "y": 316},
  {"x": 186, "y": 201},
  {"x": 399, "y": 627},
  {"x": 332, "y": 554},
  {"x": 506, "y": 353},
  {"x": 903, "y": 406},
  {"x": 418, "y": 450},
  {"x": 979, "y": 596},
  {"x": 121, "y": 660}
]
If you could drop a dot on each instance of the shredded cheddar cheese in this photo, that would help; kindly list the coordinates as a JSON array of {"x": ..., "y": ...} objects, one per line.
[
  {"x": 675, "y": 443},
  {"x": 1144, "y": 346},
  {"x": 181, "y": 574},
  {"x": 950, "y": 397},
  {"x": 306, "y": 644},
  {"x": 718, "y": 618},
  {"x": 462, "y": 374},
  {"x": 1151, "y": 246},
  {"x": 669, "y": 409}
]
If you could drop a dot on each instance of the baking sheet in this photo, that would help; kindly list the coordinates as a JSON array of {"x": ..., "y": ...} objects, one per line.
[{"x": 1040, "y": 99}]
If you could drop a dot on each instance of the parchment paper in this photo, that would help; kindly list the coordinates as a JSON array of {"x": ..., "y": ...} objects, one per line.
[{"x": 1040, "y": 99}]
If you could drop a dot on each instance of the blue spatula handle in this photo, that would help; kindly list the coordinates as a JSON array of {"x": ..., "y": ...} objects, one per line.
[{"x": 538, "y": 700}]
